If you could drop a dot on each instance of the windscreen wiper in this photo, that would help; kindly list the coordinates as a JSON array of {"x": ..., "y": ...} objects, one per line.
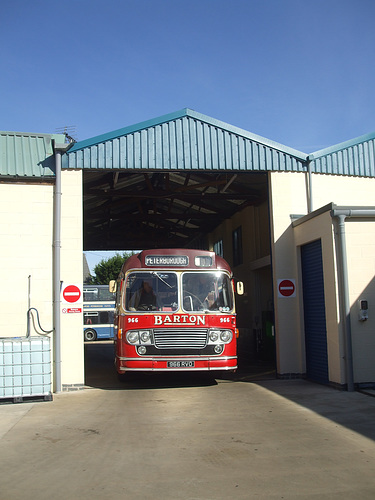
[{"x": 161, "y": 279}]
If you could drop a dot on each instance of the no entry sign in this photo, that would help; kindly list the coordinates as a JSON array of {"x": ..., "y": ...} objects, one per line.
[
  {"x": 71, "y": 293},
  {"x": 286, "y": 288}
]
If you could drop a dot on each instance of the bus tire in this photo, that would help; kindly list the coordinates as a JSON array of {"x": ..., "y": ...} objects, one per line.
[{"x": 89, "y": 335}]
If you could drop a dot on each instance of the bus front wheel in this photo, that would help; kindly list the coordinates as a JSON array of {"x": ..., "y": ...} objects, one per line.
[{"x": 89, "y": 335}]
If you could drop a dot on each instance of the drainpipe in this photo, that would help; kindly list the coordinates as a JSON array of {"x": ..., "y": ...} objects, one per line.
[
  {"x": 309, "y": 186},
  {"x": 59, "y": 149},
  {"x": 341, "y": 215}
]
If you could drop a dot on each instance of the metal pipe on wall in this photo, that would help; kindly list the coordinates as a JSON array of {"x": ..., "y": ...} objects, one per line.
[
  {"x": 56, "y": 270},
  {"x": 344, "y": 302},
  {"x": 59, "y": 149},
  {"x": 309, "y": 186}
]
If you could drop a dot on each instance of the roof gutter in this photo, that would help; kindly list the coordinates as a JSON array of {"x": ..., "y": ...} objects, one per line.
[{"x": 341, "y": 214}]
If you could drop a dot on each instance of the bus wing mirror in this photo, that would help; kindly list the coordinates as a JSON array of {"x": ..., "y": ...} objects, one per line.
[
  {"x": 112, "y": 286},
  {"x": 240, "y": 288}
]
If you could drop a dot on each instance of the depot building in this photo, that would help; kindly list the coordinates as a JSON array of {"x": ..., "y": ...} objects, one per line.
[{"x": 298, "y": 229}]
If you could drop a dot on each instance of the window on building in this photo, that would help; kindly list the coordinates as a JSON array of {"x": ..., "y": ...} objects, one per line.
[
  {"x": 219, "y": 248},
  {"x": 237, "y": 246}
]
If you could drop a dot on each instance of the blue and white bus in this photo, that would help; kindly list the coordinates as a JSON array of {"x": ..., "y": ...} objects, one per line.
[{"x": 98, "y": 312}]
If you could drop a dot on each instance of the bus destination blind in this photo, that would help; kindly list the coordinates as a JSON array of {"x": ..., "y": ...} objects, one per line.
[{"x": 167, "y": 260}]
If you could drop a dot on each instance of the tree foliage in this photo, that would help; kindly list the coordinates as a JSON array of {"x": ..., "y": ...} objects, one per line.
[{"x": 108, "y": 269}]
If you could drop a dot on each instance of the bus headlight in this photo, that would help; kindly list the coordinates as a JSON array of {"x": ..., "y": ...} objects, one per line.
[
  {"x": 132, "y": 337},
  {"x": 137, "y": 337},
  {"x": 145, "y": 336},
  {"x": 220, "y": 336},
  {"x": 218, "y": 348},
  {"x": 214, "y": 335},
  {"x": 226, "y": 336}
]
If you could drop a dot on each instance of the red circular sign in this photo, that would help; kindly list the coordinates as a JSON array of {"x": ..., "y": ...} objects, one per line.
[
  {"x": 72, "y": 293},
  {"x": 286, "y": 288}
]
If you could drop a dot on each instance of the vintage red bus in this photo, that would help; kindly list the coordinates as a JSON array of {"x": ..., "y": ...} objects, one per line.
[{"x": 175, "y": 310}]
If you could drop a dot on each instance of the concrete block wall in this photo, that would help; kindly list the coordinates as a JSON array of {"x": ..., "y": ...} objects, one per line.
[{"x": 26, "y": 213}]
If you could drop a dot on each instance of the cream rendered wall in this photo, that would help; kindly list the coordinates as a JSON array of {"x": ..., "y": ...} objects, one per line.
[
  {"x": 72, "y": 346},
  {"x": 287, "y": 197},
  {"x": 26, "y": 249},
  {"x": 360, "y": 243},
  {"x": 26, "y": 228},
  {"x": 287, "y": 193},
  {"x": 342, "y": 190}
]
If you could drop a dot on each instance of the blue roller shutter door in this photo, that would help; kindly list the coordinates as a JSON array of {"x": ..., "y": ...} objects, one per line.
[{"x": 314, "y": 312}]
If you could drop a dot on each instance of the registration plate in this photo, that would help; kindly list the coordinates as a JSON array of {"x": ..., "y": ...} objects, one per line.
[{"x": 180, "y": 364}]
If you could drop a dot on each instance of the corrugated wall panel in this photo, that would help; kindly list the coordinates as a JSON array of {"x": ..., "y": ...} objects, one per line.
[
  {"x": 184, "y": 140},
  {"x": 167, "y": 147},
  {"x": 355, "y": 159},
  {"x": 27, "y": 155},
  {"x": 190, "y": 144},
  {"x": 183, "y": 144}
]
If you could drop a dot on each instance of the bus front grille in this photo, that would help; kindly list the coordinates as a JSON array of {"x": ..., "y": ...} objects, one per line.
[{"x": 180, "y": 338}]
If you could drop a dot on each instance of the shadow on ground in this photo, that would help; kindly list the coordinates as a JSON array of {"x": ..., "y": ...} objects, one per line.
[
  {"x": 100, "y": 372},
  {"x": 353, "y": 410}
]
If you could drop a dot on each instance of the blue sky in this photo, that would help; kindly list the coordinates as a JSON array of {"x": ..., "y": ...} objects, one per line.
[{"x": 299, "y": 72}]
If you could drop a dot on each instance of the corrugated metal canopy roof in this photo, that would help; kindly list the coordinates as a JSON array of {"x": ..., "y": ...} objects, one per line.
[
  {"x": 187, "y": 140},
  {"x": 171, "y": 180},
  {"x": 27, "y": 155},
  {"x": 184, "y": 140},
  {"x": 355, "y": 157}
]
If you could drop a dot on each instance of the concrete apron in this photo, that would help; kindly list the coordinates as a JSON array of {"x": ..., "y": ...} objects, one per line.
[{"x": 174, "y": 437}]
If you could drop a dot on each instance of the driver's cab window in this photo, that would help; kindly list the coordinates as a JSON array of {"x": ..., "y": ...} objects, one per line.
[
  {"x": 207, "y": 291},
  {"x": 156, "y": 291}
]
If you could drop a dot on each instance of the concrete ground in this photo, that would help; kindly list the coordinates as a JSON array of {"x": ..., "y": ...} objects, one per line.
[{"x": 191, "y": 437}]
